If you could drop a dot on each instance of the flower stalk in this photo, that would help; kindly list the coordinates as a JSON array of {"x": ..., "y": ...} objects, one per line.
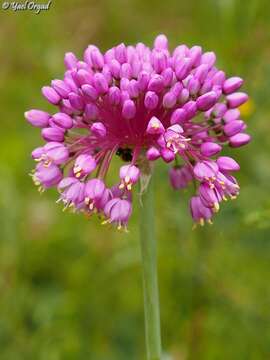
[{"x": 150, "y": 279}]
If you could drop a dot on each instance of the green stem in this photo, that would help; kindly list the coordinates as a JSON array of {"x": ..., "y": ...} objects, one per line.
[{"x": 150, "y": 281}]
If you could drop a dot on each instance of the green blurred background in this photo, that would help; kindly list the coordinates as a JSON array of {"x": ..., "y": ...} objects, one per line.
[{"x": 71, "y": 289}]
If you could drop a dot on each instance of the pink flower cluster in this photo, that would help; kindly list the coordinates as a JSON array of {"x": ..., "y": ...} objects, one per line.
[{"x": 136, "y": 102}]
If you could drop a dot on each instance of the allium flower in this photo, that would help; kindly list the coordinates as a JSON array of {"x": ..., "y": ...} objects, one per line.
[{"x": 140, "y": 104}]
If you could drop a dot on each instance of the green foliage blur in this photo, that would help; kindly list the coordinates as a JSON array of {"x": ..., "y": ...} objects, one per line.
[{"x": 70, "y": 288}]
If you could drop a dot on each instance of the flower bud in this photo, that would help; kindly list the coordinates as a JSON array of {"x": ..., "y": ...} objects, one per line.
[
  {"x": 152, "y": 153},
  {"x": 51, "y": 95},
  {"x": 100, "y": 83},
  {"x": 91, "y": 112},
  {"x": 193, "y": 86},
  {"x": 129, "y": 109},
  {"x": 126, "y": 71},
  {"x": 219, "y": 110},
  {"x": 226, "y": 163},
  {"x": 151, "y": 100},
  {"x": 114, "y": 95},
  {"x": 195, "y": 54},
  {"x": 219, "y": 78},
  {"x": 190, "y": 109},
  {"x": 239, "y": 140},
  {"x": 167, "y": 75},
  {"x": 98, "y": 129},
  {"x": 231, "y": 114},
  {"x": 159, "y": 61},
  {"x": 178, "y": 116},
  {"x": 201, "y": 72},
  {"x": 234, "y": 127},
  {"x": 143, "y": 80},
  {"x": 236, "y": 99},
  {"x": 53, "y": 134},
  {"x": 133, "y": 89},
  {"x": 169, "y": 100},
  {"x": 183, "y": 96},
  {"x": 156, "y": 83},
  {"x": 182, "y": 68},
  {"x": 121, "y": 53},
  {"x": 115, "y": 68},
  {"x": 209, "y": 149},
  {"x": 97, "y": 59},
  {"x": 109, "y": 55},
  {"x": 206, "y": 101},
  {"x": 161, "y": 42},
  {"x": 232, "y": 84},
  {"x": 83, "y": 77},
  {"x": 37, "y": 118},
  {"x": 70, "y": 60},
  {"x": 208, "y": 58},
  {"x": 167, "y": 155},
  {"x": 89, "y": 92},
  {"x": 37, "y": 153},
  {"x": 177, "y": 88},
  {"x": 61, "y": 87},
  {"x": 62, "y": 120}
]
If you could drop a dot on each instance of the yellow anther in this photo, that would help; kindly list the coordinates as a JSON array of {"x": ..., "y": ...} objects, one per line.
[
  {"x": 104, "y": 222},
  {"x": 127, "y": 179},
  {"x": 78, "y": 174},
  {"x": 129, "y": 187},
  {"x": 77, "y": 169},
  {"x": 210, "y": 222},
  {"x": 155, "y": 124},
  {"x": 216, "y": 207},
  {"x": 224, "y": 198},
  {"x": 47, "y": 163},
  {"x": 201, "y": 221},
  {"x": 121, "y": 186}
]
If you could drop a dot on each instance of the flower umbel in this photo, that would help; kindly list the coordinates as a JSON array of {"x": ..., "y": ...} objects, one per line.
[{"x": 135, "y": 102}]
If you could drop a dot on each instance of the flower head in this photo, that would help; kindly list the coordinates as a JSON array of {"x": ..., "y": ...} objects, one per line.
[{"x": 139, "y": 103}]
